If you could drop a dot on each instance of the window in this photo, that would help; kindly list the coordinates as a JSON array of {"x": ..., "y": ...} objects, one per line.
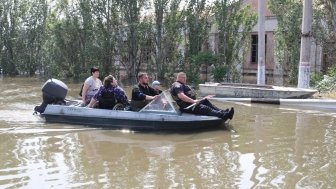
[{"x": 254, "y": 48}]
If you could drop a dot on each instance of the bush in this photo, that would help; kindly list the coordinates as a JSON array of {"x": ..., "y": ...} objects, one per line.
[
  {"x": 328, "y": 83},
  {"x": 315, "y": 78}
]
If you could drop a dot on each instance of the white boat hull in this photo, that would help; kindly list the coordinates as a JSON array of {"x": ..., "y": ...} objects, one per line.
[{"x": 254, "y": 91}]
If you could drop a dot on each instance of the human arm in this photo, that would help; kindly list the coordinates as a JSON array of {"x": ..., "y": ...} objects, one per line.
[
  {"x": 185, "y": 98},
  {"x": 153, "y": 94},
  {"x": 95, "y": 98},
  {"x": 151, "y": 97},
  {"x": 92, "y": 103},
  {"x": 139, "y": 95},
  {"x": 84, "y": 92},
  {"x": 121, "y": 97}
]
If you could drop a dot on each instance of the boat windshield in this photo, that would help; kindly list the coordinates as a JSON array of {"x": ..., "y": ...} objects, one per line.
[{"x": 163, "y": 104}]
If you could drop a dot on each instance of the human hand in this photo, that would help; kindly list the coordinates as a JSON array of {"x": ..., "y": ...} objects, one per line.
[
  {"x": 155, "y": 97},
  {"x": 209, "y": 96},
  {"x": 196, "y": 101}
]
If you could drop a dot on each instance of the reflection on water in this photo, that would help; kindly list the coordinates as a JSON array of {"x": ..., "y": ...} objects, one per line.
[{"x": 273, "y": 147}]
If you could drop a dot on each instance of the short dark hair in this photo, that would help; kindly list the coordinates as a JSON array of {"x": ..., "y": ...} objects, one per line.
[
  {"x": 94, "y": 69},
  {"x": 140, "y": 74},
  {"x": 107, "y": 81}
]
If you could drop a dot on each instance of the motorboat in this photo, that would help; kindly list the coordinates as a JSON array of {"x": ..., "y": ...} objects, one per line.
[{"x": 160, "y": 114}]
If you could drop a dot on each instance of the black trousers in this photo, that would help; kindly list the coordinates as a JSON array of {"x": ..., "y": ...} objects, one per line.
[{"x": 206, "y": 108}]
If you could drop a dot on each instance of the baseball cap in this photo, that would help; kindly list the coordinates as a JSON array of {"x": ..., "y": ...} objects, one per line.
[{"x": 155, "y": 83}]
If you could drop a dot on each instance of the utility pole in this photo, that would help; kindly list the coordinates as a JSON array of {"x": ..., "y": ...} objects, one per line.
[
  {"x": 304, "y": 67},
  {"x": 261, "y": 42}
]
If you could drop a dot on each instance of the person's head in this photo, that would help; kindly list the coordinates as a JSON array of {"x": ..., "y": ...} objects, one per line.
[
  {"x": 110, "y": 81},
  {"x": 181, "y": 77},
  {"x": 95, "y": 72},
  {"x": 143, "y": 78},
  {"x": 156, "y": 85}
]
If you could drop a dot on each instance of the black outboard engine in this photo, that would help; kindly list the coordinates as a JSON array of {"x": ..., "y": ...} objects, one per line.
[{"x": 53, "y": 92}]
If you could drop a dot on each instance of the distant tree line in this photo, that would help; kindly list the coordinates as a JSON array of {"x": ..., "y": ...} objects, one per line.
[{"x": 64, "y": 38}]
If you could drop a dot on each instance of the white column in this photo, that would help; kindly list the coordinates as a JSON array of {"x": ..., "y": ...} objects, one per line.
[
  {"x": 261, "y": 43},
  {"x": 304, "y": 67}
]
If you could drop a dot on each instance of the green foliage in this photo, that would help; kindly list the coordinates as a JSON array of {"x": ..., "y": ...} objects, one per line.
[
  {"x": 197, "y": 24},
  {"x": 165, "y": 36},
  {"x": 315, "y": 78},
  {"x": 203, "y": 58},
  {"x": 328, "y": 81},
  {"x": 206, "y": 58},
  {"x": 332, "y": 71},
  {"x": 219, "y": 73},
  {"x": 288, "y": 35},
  {"x": 196, "y": 32},
  {"x": 234, "y": 23}
]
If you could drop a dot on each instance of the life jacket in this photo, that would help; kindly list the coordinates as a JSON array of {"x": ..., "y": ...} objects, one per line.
[
  {"x": 107, "y": 100},
  {"x": 188, "y": 91}
]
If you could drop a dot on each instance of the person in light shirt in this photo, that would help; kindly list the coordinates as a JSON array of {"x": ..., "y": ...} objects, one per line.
[{"x": 91, "y": 86}]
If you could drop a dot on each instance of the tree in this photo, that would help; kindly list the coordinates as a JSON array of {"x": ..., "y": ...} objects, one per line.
[
  {"x": 9, "y": 35},
  {"x": 131, "y": 29},
  {"x": 196, "y": 33},
  {"x": 105, "y": 30},
  {"x": 288, "y": 35},
  {"x": 32, "y": 37},
  {"x": 324, "y": 27},
  {"x": 234, "y": 22},
  {"x": 166, "y": 36}
]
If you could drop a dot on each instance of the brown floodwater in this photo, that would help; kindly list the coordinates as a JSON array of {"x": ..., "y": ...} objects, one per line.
[{"x": 268, "y": 146}]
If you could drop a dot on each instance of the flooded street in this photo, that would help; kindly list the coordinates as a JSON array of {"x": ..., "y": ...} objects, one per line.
[{"x": 269, "y": 146}]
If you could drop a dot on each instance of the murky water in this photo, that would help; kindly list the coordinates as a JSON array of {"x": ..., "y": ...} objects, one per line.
[{"x": 269, "y": 147}]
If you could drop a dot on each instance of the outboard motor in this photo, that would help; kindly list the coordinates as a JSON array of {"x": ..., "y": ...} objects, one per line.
[{"x": 53, "y": 92}]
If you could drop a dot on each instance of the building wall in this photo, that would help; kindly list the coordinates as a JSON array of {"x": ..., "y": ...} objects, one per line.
[{"x": 273, "y": 74}]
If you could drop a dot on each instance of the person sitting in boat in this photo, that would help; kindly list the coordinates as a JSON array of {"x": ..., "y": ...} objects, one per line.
[
  {"x": 156, "y": 86},
  {"x": 109, "y": 95},
  {"x": 91, "y": 86},
  {"x": 185, "y": 97},
  {"x": 142, "y": 94}
]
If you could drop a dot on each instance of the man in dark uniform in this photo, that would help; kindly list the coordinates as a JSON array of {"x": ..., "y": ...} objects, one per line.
[
  {"x": 142, "y": 94},
  {"x": 185, "y": 96}
]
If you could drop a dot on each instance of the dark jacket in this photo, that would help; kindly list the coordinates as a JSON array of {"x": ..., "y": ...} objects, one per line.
[
  {"x": 139, "y": 93},
  {"x": 177, "y": 88}
]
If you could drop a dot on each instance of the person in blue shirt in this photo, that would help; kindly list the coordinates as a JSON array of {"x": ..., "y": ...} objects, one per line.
[{"x": 109, "y": 95}]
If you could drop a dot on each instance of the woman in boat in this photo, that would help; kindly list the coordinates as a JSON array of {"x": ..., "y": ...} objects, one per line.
[
  {"x": 142, "y": 93},
  {"x": 91, "y": 86},
  {"x": 109, "y": 95},
  {"x": 185, "y": 96}
]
